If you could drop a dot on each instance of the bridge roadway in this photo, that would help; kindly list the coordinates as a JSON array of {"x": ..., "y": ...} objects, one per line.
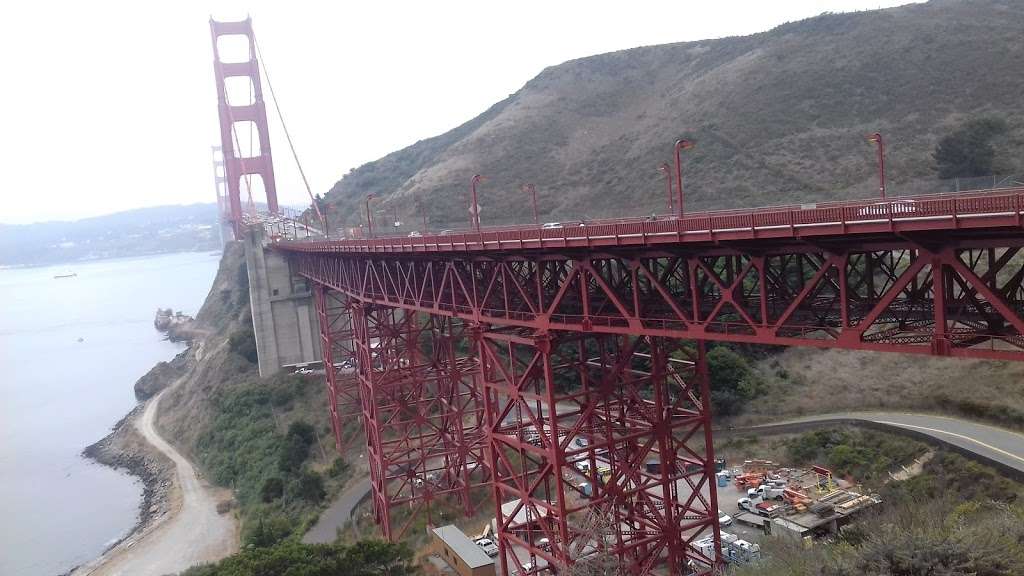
[{"x": 870, "y": 219}]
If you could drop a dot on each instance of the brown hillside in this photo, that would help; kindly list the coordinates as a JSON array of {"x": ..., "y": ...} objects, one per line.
[{"x": 778, "y": 116}]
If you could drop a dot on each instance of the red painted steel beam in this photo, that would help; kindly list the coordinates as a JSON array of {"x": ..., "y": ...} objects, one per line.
[
  {"x": 841, "y": 298},
  {"x": 587, "y": 428}
]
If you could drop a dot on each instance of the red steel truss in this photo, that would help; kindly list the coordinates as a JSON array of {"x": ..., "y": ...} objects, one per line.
[
  {"x": 337, "y": 345},
  {"x": 584, "y": 425},
  {"x": 421, "y": 413},
  {"x": 950, "y": 296},
  {"x": 587, "y": 377}
]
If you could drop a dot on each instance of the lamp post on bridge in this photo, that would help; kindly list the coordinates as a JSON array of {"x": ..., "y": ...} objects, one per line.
[
  {"x": 369, "y": 216},
  {"x": 474, "y": 208},
  {"x": 667, "y": 171},
  {"x": 681, "y": 145},
  {"x": 533, "y": 191},
  {"x": 877, "y": 139}
]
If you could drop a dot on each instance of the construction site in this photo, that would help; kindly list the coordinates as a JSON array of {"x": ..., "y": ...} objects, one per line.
[{"x": 758, "y": 500}]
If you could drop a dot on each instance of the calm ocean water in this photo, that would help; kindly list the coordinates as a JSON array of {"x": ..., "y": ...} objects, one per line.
[{"x": 60, "y": 394}]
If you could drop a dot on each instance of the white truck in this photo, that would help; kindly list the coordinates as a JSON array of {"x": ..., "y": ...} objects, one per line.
[
  {"x": 733, "y": 548},
  {"x": 488, "y": 546},
  {"x": 771, "y": 491}
]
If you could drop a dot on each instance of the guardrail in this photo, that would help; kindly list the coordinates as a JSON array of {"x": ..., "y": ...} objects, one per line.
[{"x": 933, "y": 207}]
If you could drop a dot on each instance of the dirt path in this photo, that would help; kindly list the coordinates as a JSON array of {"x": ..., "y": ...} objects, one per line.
[{"x": 191, "y": 534}]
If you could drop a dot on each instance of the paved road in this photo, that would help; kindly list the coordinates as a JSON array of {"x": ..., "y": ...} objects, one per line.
[
  {"x": 338, "y": 515},
  {"x": 996, "y": 446},
  {"x": 194, "y": 533}
]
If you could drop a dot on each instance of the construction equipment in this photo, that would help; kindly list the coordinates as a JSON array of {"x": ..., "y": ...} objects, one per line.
[
  {"x": 825, "y": 484},
  {"x": 749, "y": 480}
]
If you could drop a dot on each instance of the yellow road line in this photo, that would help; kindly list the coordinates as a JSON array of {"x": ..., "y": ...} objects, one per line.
[{"x": 961, "y": 436}]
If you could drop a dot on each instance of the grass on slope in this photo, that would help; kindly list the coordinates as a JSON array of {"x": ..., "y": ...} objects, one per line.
[
  {"x": 801, "y": 381},
  {"x": 778, "y": 117}
]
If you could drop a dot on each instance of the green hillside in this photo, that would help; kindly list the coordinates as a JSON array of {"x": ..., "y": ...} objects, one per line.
[{"x": 778, "y": 116}]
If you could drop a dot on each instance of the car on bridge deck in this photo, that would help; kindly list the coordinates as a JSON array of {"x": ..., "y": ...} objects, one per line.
[{"x": 893, "y": 207}]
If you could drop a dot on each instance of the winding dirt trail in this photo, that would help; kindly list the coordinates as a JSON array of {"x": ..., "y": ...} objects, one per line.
[{"x": 193, "y": 532}]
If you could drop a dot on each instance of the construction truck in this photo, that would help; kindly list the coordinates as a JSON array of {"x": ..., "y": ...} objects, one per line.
[
  {"x": 734, "y": 549},
  {"x": 765, "y": 509},
  {"x": 767, "y": 492}
]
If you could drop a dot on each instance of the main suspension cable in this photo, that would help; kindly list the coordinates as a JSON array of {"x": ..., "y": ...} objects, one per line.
[{"x": 287, "y": 135}]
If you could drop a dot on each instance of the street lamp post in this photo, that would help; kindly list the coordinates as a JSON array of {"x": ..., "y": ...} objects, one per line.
[
  {"x": 533, "y": 191},
  {"x": 369, "y": 216},
  {"x": 474, "y": 208},
  {"x": 667, "y": 171},
  {"x": 681, "y": 145},
  {"x": 877, "y": 139}
]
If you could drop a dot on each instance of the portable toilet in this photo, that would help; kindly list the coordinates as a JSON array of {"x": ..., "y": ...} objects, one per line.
[{"x": 723, "y": 479}]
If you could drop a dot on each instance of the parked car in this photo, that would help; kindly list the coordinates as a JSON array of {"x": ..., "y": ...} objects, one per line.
[
  {"x": 549, "y": 225},
  {"x": 415, "y": 234},
  {"x": 488, "y": 546},
  {"x": 724, "y": 519}
]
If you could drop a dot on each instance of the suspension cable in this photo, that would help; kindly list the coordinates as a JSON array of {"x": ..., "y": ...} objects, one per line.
[{"x": 287, "y": 135}]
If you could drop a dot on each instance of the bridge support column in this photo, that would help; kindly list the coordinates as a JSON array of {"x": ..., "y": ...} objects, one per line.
[
  {"x": 337, "y": 345},
  {"x": 422, "y": 419},
  {"x": 600, "y": 449}
]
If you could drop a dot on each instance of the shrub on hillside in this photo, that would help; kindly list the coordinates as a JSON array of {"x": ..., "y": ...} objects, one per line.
[
  {"x": 733, "y": 383},
  {"x": 365, "y": 558},
  {"x": 308, "y": 486},
  {"x": 968, "y": 152},
  {"x": 272, "y": 489},
  {"x": 243, "y": 343},
  {"x": 863, "y": 454}
]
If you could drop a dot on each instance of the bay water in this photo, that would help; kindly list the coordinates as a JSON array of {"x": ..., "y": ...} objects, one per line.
[{"x": 70, "y": 351}]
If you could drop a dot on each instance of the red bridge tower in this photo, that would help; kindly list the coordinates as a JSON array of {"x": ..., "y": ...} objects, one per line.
[{"x": 242, "y": 111}]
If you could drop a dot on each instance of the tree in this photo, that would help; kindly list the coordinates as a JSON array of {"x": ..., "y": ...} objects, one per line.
[
  {"x": 968, "y": 151},
  {"x": 309, "y": 486},
  {"x": 243, "y": 343},
  {"x": 729, "y": 378},
  {"x": 272, "y": 489},
  {"x": 295, "y": 448}
]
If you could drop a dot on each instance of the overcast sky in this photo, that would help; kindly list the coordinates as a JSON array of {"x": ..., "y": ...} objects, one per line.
[{"x": 107, "y": 106}]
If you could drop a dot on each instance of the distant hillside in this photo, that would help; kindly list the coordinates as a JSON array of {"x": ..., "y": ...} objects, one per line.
[
  {"x": 778, "y": 116},
  {"x": 139, "y": 232}
]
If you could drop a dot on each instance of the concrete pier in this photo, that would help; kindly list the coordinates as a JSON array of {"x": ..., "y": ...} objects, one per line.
[{"x": 283, "y": 314}]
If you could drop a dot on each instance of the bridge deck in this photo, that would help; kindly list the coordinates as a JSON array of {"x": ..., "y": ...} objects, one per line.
[{"x": 972, "y": 212}]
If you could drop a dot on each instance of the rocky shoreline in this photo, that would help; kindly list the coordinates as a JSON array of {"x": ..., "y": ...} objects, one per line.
[{"x": 125, "y": 449}]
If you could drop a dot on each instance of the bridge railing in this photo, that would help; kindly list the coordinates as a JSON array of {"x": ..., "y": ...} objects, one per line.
[{"x": 1006, "y": 201}]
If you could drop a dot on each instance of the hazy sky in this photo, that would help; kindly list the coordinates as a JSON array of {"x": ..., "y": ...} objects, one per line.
[{"x": 106, "y": 106}]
